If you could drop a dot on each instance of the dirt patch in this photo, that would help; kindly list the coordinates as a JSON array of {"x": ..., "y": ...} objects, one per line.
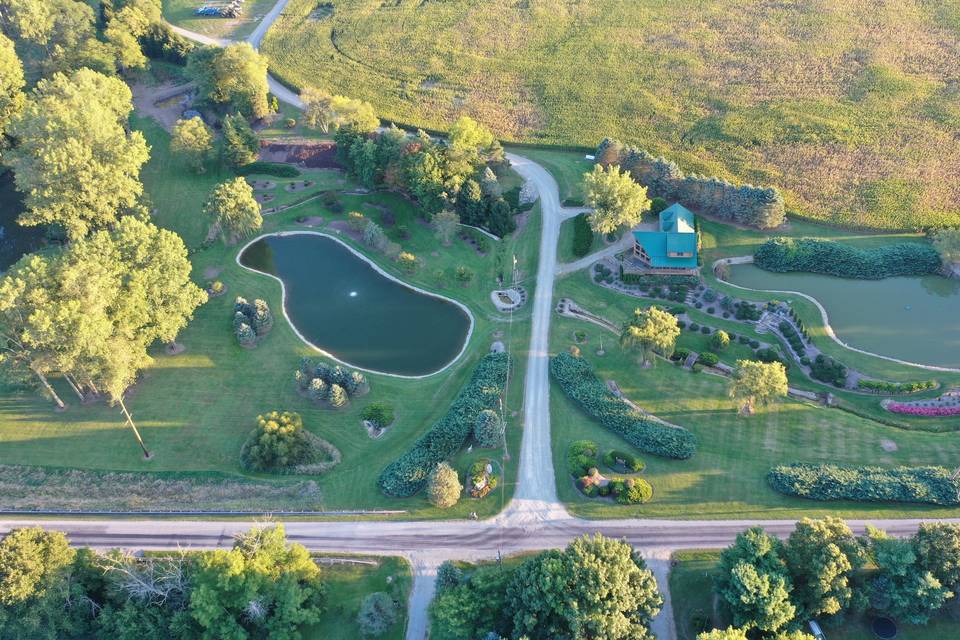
[
  {"x": 212, "y": 272},
  {"x": 164, "y": 103},
  {"x": 174, "y": 348},
  {"x": 314, "y": 154},
  {"x": 888, "y": 445},
  {"x": 312, "y": 221},
  {"x": 264, "y": 198},
  {"x": 344, "y": 227}
]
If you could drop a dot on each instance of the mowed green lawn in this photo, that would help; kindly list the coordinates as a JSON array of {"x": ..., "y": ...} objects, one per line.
[
  {"x": 195, "y": 409},
  {"x": 347, "y": 586},
  {"x": 850, "y": 107},
  {"x": 691, "y": 589},
  {"x": 727, "y": 475}
]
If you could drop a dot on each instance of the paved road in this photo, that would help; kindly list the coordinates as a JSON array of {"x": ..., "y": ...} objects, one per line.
[{"x": 533, "y": 520}]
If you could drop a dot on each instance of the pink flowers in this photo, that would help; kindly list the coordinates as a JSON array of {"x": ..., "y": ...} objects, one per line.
[{"x": 930, "y": 412}]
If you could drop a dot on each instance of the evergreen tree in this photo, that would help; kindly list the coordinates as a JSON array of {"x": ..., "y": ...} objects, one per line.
[
  {"x": 241, "y": 146},
  {"x": 338, "y": 397}
]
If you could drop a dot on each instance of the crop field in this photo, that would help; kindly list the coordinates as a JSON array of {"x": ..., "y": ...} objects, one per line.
[{"x": 851, "y": 107}]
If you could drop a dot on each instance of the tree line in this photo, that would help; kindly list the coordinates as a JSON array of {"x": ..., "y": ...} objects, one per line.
[
  {"x": 263, "y": 587},
  {"x": 771, "y": 588}
]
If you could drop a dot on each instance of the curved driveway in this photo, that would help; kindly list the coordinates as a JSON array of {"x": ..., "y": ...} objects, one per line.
[{"x": 533, "y": 520}]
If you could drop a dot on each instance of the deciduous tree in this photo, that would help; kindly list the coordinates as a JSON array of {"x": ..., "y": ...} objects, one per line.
[
  {"x": 938, "y": 551},
  {"x": 240, "y": 142},
  {"x": 947, "y": 243},
  {"x": 651, "y": 329},
  {"x": 235, "y": 212},
  {"x": 822, "y": 556},
  {"x": 233, "y": 77},
  {"x": 445, "y": 225},
  {"x": 756, "y": 382},
  {"x": 325, "y": 112},
  {"x": 193, "y": 141},
  {"x": 75, "y": 161},
  {"x": 596, "y": 588},
  {"x": 753, "y": 583},
  {"x": 443, "y": 486},
  {"x": 617, "y": 200},
  {"x": 11, "y": 84}
]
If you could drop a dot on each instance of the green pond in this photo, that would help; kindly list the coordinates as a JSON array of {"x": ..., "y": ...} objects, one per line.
[
  {"x": 913, "y": 319},
  {"x": 342, "y": 305}
]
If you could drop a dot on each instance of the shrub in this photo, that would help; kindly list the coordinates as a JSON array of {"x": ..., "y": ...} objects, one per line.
[
  {"x": 274, "y": 169},
  {"x": 754, "y": 344},
  {"x": 581, "y": 457},
  {"x": 746, "y": 311},
  {"x": 443, "y": 486},
  {"x": 705, "y": 330},
  {"x": 488, "y": 430},
  {"x": 682, "y": 324},
  {"x": 380, "y": 414},
  {"x": 320, "y": 380},
  {"x": 720, "y": 340},
  {"x": 463, "y": 275},
  {"x": 709, "y": 295},
  {"x": 616, "y": 459},
  {"x": 579, "y": 383},
  {"x": 290, "y": 123},
  {"x": 694, "y": 326},
  {"x": 338, "y": 397},
  {"x": 408, "y": 261},
  {"x": 278, "y": 442},
  {"x": 708, "y": 359},
  {"x": 408, "y": 474},
  {"x": 845, "y": 261},
  {"x": 680, "y": 354},
  {"x": 826, "y": 369},
  {"x": 632, "y": 491},
  {"x": 377, "y": 614},
  {"x": 582, "y": 235},
  {"x": 925, "y": 485},
  {"x": 879, "y": 386},
  {"x": 448, "y": 575}
]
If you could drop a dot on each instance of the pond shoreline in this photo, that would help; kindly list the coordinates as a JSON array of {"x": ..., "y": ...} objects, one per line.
[
  {"x": 378, "y": 269},
  {"x": 825, "y": 317}
]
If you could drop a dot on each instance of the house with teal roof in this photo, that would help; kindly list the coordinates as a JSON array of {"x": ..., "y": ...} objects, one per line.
[{"x": 671, "y": 249}]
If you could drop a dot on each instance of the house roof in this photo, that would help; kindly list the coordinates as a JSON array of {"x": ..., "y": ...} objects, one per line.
[{"x": 676, "y": 235}]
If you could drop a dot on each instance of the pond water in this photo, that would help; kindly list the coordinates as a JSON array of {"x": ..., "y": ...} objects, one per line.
[
  {"x": 344, "y": 306},
  {"x": 15, "y": 240},
  {"x": 914, "y": 319}
]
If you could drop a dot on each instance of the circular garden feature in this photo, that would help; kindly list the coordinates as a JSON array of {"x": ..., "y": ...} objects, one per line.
[{"x": 884, "y": 628}]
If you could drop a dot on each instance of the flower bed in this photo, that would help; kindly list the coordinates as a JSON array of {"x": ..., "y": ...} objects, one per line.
[{"x": 927, "y": 412}]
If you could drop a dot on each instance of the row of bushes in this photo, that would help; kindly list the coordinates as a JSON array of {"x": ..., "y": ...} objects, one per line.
[
  {"x": 844, "y": 261},
  {"x": 925, "y": 485},
  {"x": 796, "y": 342},
  {"x": 408, "y": 474},
  {"x": 761, "y": 207},
  {"x": 582, "y": 236},
  {"x": 580, "y": 384},
  {"x": 275, "y": 169},
  {"x": 880, "y": 386}
]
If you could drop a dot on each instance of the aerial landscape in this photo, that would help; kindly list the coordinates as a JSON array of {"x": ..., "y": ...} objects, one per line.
[{"x": 513, "y": 319}]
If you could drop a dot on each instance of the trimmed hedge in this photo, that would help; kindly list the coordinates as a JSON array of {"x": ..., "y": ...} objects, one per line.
[
  {"x": 582, "y": 236},
  {"x": 924, "y": 485},
  {"x": 844, "y": 261},
  {"x": 880, "y": 386},
  {"x": 575, "y": 376},
  {"x": 408, "y": 474},
  {"x": 630, "y": 462},
  {"x": 275, "y": 169},
  {"x": 582, "y": 457}
]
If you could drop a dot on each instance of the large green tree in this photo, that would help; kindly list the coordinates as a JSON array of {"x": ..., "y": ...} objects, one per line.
[
  {"x": 753, "y": 583},
  {"x": 232, "y": 77},
  {"x": 35, "y": 586},
  {"x": 596, "y": 588},
  {"x": 938, "y": 551},
  {"x": 947, "y": 243},
  {"x": 756, "y": 382},
  {"x": 617, "y": 200},
  {"x": 324, "y": 112},
  {"x": 265, "y": 587},
  {"x": 76, "y": 163},
  {"x": 903, "y": 587},
  {"x": 822, "y": 557},
  {"x": 193, "y": 141},
  {"x": 235, "y": 212},
  {"x": 470, "y": 609},
  {"x": 11, "y": 84},
  {"x": 127, "y": 22},
  {"x": 650, "y": 330},
  {"x": 61, "y": 34}
]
